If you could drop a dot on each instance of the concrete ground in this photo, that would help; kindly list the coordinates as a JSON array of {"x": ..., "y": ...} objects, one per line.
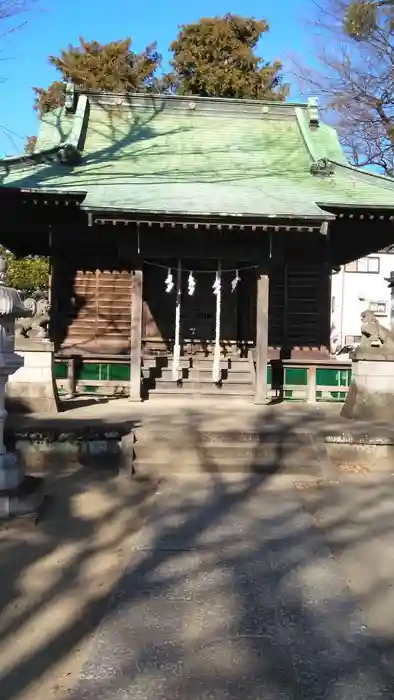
[
  {"x": 57, "y": 577},
  {"x": 321, "y": 418},
  {"x": 212, "y": 587},
  {"x": 233, "y": 592}
]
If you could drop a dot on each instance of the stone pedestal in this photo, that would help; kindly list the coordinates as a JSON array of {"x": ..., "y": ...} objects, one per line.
[
  {"x": 371, "y": 393},
  {"x": 19, "y": 494},
  {"x": 32, "y": 388}
]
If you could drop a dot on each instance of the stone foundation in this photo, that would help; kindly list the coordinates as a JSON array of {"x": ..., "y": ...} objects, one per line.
[
  {"x": 26, "y": 499},
  {"x": 39, "y": 449},
  {"x": 371, "y": 393},
  {"x": 32, "y": 389}
]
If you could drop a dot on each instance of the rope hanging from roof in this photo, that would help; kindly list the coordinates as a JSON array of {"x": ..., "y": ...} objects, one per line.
[
  {"x": 169, "y": 281},
  {"x": 176, "y": 360},
  {"x": 235, "y": 270},
  {"x": 217, "y": 290},
  {"x": 191, "y": 282},
  {"x": 191, "y": 285},
  {"x": 234, "y": 282}
]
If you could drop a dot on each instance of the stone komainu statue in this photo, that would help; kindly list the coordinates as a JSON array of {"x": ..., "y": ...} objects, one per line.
[
  {"x": 35, "y": 327},
  {"x": 375, "y": 336}
]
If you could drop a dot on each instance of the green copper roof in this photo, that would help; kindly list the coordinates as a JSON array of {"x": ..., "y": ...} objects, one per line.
[{"x": 201, "y": 156}]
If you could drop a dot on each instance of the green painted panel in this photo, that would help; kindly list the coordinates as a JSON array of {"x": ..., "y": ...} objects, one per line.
[
  {"x": 330, "y": 376},
  {"x": 339, "y": 396},
  {"x": 93, "y": 371},
  {"x": 119, "y": 371},
  {"x": 326, "y": 377},
  {"x": 60, "y": 370},
  {"x": 296, "y": 375},
  {"x": 86, "y": 389},
  {"x": 104, "y": 371},
  {"x": 90, "y": 370},
  {"x": 269, "y": 375}
]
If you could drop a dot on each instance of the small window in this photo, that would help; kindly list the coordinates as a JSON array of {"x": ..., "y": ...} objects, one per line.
[
  {"x": 373, "y": 265},
  {"x": 351, "y": 266},
  {"x": 378, "y": 307},
  {"x": 369, "y": 264},
  {"x": 352, "y": 339},
  {"x": 332, "y": 305}
]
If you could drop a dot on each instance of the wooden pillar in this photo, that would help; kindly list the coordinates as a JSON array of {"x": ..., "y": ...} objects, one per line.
[
  {"x": 262, "y": 335},
  {"x": 71, "y": 377},
  {"x": 311, "y": 387},
  {"x": 136, "y": 336}
]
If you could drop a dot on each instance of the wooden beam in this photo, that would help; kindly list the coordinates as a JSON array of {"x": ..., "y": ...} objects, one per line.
[
  {"x": 136, "y": 336},
  {"x": 262, "y": 335}
]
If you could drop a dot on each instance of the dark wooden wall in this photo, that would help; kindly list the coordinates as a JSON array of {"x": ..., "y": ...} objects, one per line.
[
  {"x": 92, "y": 290},
  {"x": 92, "y": 268},
  {"x": 91, "y": 307},
  {"x": 299, "y": 307}
]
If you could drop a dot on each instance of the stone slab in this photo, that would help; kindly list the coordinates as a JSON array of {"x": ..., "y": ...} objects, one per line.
[
  {"x": 25, "y": 500},
  {"x": 32, "y": 388},
  {"x": 79, "y": 417},
  {"x": 373, "y": 375},
  {"x": 232, "y": 594},
  {"x": 371, "y": 458},
  {"x": 371, "y": 393},
  {"x": 367, "y": 405}
]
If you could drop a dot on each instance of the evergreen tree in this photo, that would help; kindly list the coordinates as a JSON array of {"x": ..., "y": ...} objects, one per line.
[
  {"x": 111, "y": 67},
  {"x": 50, "y": 98},
  {"x": 216, "y": 57},
  {"x": 363, "y": 18},
  {"x": 30, "y": 274},
  {"x": 30, "y": 144}
]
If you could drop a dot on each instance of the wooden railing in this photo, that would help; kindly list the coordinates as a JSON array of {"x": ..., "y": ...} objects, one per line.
[
  {"x": 301, "y": 380},
  {"x": 316, "y": 380},
  {"x": 81, "y": 376}
]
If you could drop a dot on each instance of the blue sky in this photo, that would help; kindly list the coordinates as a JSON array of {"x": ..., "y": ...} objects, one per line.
[{"x": 52, "y": 25}]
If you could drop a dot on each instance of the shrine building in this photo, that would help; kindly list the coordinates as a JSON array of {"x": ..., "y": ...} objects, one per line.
[{"x": 191, "y": 239}]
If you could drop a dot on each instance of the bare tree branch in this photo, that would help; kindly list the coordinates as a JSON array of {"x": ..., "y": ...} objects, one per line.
[
  {"x": 355, "y": 81},
  {"x": 10, "y": 9},
  {"x": 11, "y": 20}
]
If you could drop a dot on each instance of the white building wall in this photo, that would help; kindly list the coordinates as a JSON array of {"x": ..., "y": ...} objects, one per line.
[{"x": 353, "y": 292}]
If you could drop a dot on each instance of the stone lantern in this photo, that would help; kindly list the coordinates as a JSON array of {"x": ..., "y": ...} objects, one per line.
[{"x": 19, "y": 494}]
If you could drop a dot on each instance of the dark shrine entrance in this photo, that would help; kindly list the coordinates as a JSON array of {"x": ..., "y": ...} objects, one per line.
[{"x": 198, "y": 311}]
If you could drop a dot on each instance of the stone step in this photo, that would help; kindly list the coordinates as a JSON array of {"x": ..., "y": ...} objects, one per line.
[
  {"x": 204, "y": 363},
  {"x": 197, "y": 453},
  {"x": 236, "y": 466},
  {"x": 230, "y": 365},
  {"x": 203, "y": 382},
  {"x": 214, "y": 432},
  {"x": 163, "y": 362},
  {"x": 204, "y": 375},
  {"x": 207, "y": 388},
  {"x": 223, "y": 358},
  {"x": 156, "y": 450},
  {"x": 302, "y": 460},
  {"x": 169, "y": 395}
]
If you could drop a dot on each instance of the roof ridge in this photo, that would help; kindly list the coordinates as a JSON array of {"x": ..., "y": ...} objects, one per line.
[
  {"x": 386, "y": 181},
  {"x": 188, "y": 98},
  {"x": 300, "y": 118},
  {"x": 67, "y": 152}
]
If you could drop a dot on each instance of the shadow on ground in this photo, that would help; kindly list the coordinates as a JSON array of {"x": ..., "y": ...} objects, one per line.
[{"x": 229, "y": 589}]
